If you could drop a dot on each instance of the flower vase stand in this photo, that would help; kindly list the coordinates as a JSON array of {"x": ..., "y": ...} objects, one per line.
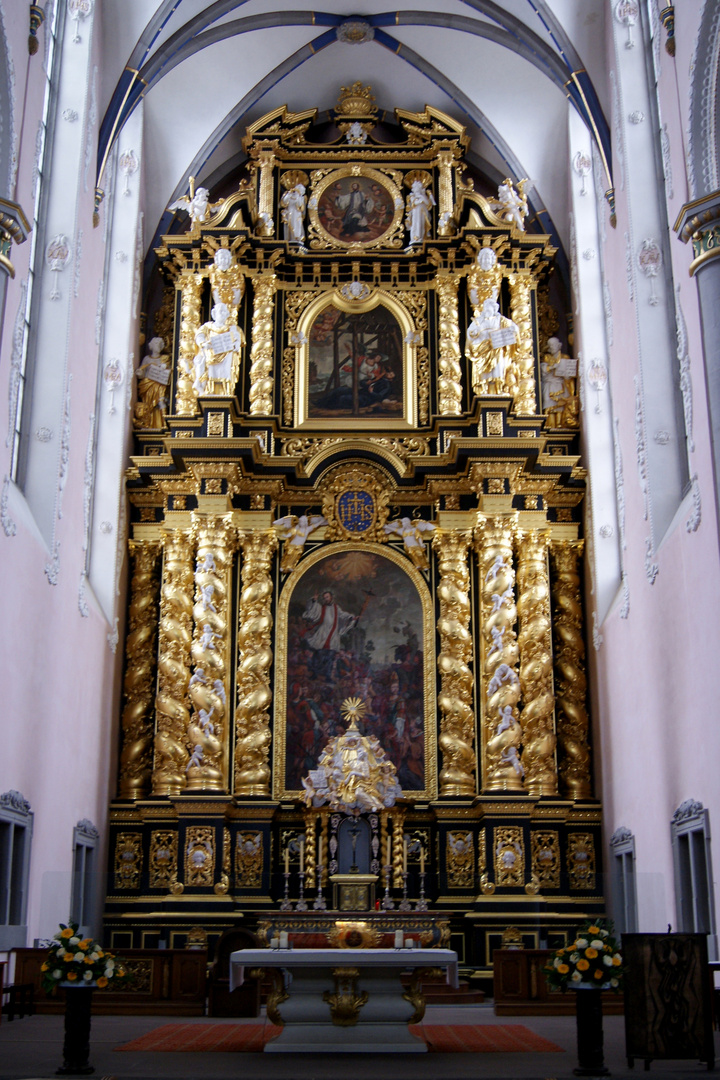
[
  {"x": 589, "y": 1017},
  {"x": 76, "y": 1045}
]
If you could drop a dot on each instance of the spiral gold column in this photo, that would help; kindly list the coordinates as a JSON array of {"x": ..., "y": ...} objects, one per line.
[
  {"x": 571, "y": 683},
  {"x": 208, "y": 728},
  {"x": 457, "y": 720},
  {"x": 397, "y": 823},
  {"x": 172, "y": 713},
  {"x": 252, "y": 718},
  {"x": 536, "y": 669},
  {"x": 450, "y": 372},
  {"x": 266, "y": 226},
  {"x": 185, "y": 397},
  {"x": 521, "y": 285},
  {"x": 446, "y": 206},
  {"x": 503, "y": 770},
  {"x": 140, "y": 657},
  {"x": 311, "y": 817},
  {"x": 261, "y": 354}
]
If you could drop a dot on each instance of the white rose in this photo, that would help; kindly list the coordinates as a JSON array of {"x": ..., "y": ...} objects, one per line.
[
  {"x": 109, "y": 972},
  {"x": 617, "y": 957},
  {"x": 596, "y": 944},
  {"x": 58, "y": 936},
  {"x": 60, "y": 953},
  {"x": 607, "y": 961},
  {"x": 57, "y": 973},
  {"x": 581, "y": 943},
  {"x": 79, "y": 957},
  {"x": 575, "y": 957},
  {"x": 556, "y": 962},
  {"x": 603, "y": 933},
  {"x": 88, "y": 976},
  {"x": 614, "y": 982},
  {"x": 94, "y": 956},
  {"x": 576, "y": 977},
  {"x": 74, "y": 940}
]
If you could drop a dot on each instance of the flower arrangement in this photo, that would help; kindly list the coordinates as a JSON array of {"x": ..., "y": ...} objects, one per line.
[
  {"x": 80, "y": 961},
  {"x": 593, "y": 959}
]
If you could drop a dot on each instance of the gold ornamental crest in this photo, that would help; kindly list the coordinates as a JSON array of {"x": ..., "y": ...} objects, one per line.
[
  {"x": 356, "y": 208},
  {"x": 355, "y": 502}
]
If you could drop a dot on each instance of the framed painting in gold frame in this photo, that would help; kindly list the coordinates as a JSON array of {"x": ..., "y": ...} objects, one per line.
[
  {"x": 355, "y": 620},
  {"x": 356, "y": 360},
  {"x": 355, "y": 208}
]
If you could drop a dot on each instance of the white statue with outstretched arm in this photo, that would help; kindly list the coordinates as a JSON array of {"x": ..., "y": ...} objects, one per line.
[{"x": 217, "y": 361}]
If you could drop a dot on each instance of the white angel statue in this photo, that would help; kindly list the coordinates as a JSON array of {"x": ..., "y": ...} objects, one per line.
[
  {"x": 413, "y": 542},
  {"x": 511, "y": 205},
  {"x": 197, "y": 204},
  {"x": 295, "y": 531}
]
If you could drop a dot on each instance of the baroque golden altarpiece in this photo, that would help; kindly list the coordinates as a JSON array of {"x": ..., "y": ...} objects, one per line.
[{"x": 345, "y": 484}]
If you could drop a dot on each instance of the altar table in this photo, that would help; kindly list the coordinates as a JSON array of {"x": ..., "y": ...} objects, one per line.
[{"x": 344, "y": 1000}]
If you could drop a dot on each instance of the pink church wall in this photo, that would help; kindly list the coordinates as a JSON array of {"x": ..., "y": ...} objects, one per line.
[{"x": 656, "y": 676}]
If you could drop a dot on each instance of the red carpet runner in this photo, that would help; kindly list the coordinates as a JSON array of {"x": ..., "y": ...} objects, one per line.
[{"x": 441, "y": 1038}]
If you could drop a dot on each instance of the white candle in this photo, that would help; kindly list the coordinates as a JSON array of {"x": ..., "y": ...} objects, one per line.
[
  {"x": 422, "y": 860},
  {"x": 405, "y": 853},
  {"x": 389, "y": 854},
  {"x": 287, "y": 860},
  {"x": 302, "y": 853},
  {"x": 398, "y": 939},
  {"x": 283, "y": 939}
]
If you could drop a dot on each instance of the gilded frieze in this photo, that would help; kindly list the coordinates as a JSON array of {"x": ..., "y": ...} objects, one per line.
[
  {"x": 162, "y": 862},
  {"x": 545, "y": 857},
  {"x": 128, "y": 860},
  {"x": 581, "y": 860},
  {"x": 199, "y": 855},
  {"x": 248, "y": 860},
  {"x": 509, "y": 856},
  {"x": 460, "y": 859}
]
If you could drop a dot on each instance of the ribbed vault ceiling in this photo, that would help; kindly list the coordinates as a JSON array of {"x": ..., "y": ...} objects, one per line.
[{"x": 207, "y": 70}]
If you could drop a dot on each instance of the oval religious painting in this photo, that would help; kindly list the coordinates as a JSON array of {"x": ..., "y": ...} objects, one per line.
[{"x": 355, "y": 210}]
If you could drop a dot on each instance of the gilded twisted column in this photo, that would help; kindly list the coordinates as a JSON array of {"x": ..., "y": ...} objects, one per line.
[
  {"x": 397, "y": 821},
  {"x": 185, "y": 397},
  {"x": 571, "y": 683},
  {"x": 266, "y": 226},
  {"x": 536, "y": 669},
  {"x": 503, "y": 770},
  {"x": 523, "y": 366},
  {"x": 310, "y": 849},
  {"x": 139, "y": 683},
  {"x": 457, "y": 721},
  {"x": 208, "y": 728},
  {"x": 450, "y": 372},
  {"x": 252, "y": 719},
  {"x": 172, "y": 713},
  {"x": 261, "y": 354},
  {"x": 446, "y": 207}
]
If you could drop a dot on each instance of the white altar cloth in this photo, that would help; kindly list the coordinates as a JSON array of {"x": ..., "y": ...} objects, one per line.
[{"x": 308, "y": 974}]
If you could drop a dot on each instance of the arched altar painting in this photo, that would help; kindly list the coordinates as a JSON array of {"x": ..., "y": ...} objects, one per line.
[
  {"x": 355, "y": 629},
  {"x": 355, "y": 366}
]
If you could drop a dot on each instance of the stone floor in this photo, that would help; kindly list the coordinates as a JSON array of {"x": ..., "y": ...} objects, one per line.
[{"x": 30, "y": 1049}]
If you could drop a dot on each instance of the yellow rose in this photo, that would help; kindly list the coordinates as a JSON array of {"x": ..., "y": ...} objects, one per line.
[
  {"x": 67, "y": 932},
  {"x": 582, "y": 965},
  {"x": 560, "y": 952},
  {"x": 87, "y": 960},
  {"x": 599, "y": 974},
  {"x": 591, "y": 953},
  {"x": 563, "y": 969},
  {"x": 617, "y": 960},
  {"x": 84, "y": 943},
  {"x": 44, "y": 967},
  {"x": 102, "y": 982},
  {"x": 593, "y": 930},
  {"x": 100, "y": 954},
  {"x": 72, "y": 975}
]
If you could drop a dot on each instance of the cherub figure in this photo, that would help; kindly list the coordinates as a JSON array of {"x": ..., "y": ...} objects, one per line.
[
  {"x": 511, "y": 205},
  {"x": 206, "y": 595},
  {"x": 207, "y": 638},
  {"x": 411, "y": 531},
  {"x": 295, "y": 531},
  {"x": 206, "y": 564}
]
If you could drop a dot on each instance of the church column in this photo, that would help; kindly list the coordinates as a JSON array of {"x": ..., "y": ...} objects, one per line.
[
  {"x": 521, "y": 286},
  {"x": 699, "y": 221},
  {"x": 139, "y": 682},
  {"x": 457, "y": 721},
  {"x": 252, "y": 718},
  {"x": 208, "y": 730},
  {"x": 536, "y": 670},
  {"x": 500, "y": 683},
  {"x": 261, "y": 354},
  {"x": 311, "y": 817},
  {"x": 185, "y": 396},
  {"x": 266, "y": 161},
  {"x": 571, "y": 683},
  {"x": 450, "y": 372},
  {"x": 397, "y": 823},
  {"x": 172, "y": 716},
  {"x": 446, "y": 206}
]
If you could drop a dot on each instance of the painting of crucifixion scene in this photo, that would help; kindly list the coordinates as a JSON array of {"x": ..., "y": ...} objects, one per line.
[
  {"x": 355, "y": 629},
  {"x": 355, "y": 364}
]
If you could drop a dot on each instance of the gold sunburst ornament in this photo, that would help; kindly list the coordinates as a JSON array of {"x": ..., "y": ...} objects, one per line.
[{"x": 353, "y": 709}]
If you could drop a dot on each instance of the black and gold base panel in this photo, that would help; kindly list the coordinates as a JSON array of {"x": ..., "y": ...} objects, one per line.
[{"x": 356, "y": 474}]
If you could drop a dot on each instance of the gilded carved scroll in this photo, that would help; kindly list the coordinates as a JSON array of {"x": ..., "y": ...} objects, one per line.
[
  {"x": 252, "y": 721},
  {"x": 457, "y": 721},
  {"x": 137, "y": 718},
  {"x": 261, "y": 354}
]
